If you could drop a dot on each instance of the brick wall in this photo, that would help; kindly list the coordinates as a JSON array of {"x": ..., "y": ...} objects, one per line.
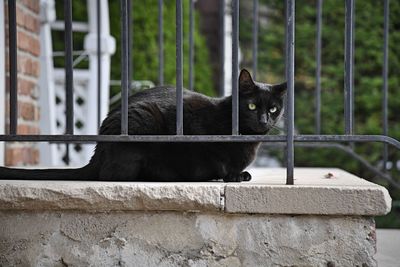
[{"x": 28, "y": 27}]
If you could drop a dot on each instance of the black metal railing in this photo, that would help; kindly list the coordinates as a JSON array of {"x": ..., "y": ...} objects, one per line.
[
  {"x": 288, "y": 140},
  {"x": 12, "y": 39}
]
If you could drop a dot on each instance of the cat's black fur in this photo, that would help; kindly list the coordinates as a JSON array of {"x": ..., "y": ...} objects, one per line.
[{"x": 152, "y": 112}]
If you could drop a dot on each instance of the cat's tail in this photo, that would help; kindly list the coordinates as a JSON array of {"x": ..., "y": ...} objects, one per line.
[{"x": 88, "y": 173}]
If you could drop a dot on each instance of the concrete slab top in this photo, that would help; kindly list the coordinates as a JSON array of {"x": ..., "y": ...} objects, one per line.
[
  {"x": 308, "y": 177},
  {"x": 324, "y": 191}
]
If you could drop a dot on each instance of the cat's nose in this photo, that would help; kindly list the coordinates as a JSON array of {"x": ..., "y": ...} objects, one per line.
[{"x": 264, "y": 119}]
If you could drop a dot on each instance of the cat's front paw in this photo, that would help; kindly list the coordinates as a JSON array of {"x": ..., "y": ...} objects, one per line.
[
  {"x": 245, "y": 176},
  {"x": 241, "y": 177}
]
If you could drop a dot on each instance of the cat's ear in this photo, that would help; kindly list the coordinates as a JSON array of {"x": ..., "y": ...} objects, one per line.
[
  {"x": 246, "y": 83},
  {"x": 279, "y": 89}
]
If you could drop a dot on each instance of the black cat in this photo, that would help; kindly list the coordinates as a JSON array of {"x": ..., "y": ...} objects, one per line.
[{"x": 152, "y": 112}]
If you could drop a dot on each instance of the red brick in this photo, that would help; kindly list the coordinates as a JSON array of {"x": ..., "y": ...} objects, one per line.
[
  {"x": 33, "y": 5},
  {"x": 27, "y": 129},
  {"x": 28, "y": 29},
  {"x": 21, "y": 156},
  {"x": 25, "y": 87},
  {"x": 31, "y": 23},
  {"x": 28, "y": 43},
  {"x": 35, "y": 156},
  {"x": 13, "y": 156},
  {"x": 28, "y": 66},
  {"x": 23, "y": 41},
  {"x": 26, "y": 111},
  {"x": 20, "y": 16},
  {"x": 23, "y": 64},
  {"x": 35, "y": 68},
  {"x": 20, "y": 63},
  {"x": 35, "y": 47}
]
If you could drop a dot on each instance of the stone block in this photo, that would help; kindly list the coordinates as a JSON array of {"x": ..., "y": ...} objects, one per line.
[
  {"x": 316, "y": 191},
  {"x": 137, "y": 238}
]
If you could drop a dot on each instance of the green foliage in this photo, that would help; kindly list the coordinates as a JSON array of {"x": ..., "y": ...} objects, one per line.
[
  {"x": 367, "y": 75},
  {"x": 145, "y": 45}
]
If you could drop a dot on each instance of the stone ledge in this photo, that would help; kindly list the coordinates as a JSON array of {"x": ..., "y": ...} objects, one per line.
[
  {"x": 340, "y": 194},
  {"x": 110, "y": 196},
  {"x": 319, "y": 191}
]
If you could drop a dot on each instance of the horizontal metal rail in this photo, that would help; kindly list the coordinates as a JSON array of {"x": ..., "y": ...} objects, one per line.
[{"x": 200, "y": 138}]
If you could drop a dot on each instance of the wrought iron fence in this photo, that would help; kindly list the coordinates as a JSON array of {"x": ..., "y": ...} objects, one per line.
[{"x": 287, "y": 140}]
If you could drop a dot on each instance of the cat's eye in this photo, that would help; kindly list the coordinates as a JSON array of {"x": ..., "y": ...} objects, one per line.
[
  {"x": 273, "y": 110},
  {"x": 252, "y": 106}
]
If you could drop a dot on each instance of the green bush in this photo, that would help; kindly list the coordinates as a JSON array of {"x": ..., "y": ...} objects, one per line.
[{"x": 145, "y": 43}]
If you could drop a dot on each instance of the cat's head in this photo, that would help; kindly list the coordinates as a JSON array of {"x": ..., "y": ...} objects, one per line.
[{"x": 260, "y": 104}]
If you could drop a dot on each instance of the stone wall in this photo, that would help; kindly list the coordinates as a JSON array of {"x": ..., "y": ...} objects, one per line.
[
  {"x": 28, "y": 52},
  {"x": 317, "y": 222},
  {"x": 50, "y": 238}
]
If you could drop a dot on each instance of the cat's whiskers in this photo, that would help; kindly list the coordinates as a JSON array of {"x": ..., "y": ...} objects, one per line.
[{"x": 275, "y": 127}]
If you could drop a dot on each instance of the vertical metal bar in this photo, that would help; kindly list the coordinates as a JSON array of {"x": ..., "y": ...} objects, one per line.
[
  {"x": 285, "y": 52},
  {"x": 179, "y": 69},
  {"x": 255, "y": 38},
  {"x": 191, "y": 45},
  {"x": 130, "y": 47},
  {"x": 69, "y": 93},
  {"x": 98, "y": 11},
  {"x": 349, "y": 62},
  {"x": 69, "y": 98},
  {"x": 318, "y": 69},
  {"x": 385, "y": 72},
  {"x": 286, "y": 78},
  {"x": 235, "y": 67},
  {"x": 124, "y": 67},
  {"x": 12, "y": 32},
  {"x": 221, "y": 89},
  {"x": 290, "y": 19},
  {"x": 160, "y": 43},
  {"x": 67, "y": 153}
]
